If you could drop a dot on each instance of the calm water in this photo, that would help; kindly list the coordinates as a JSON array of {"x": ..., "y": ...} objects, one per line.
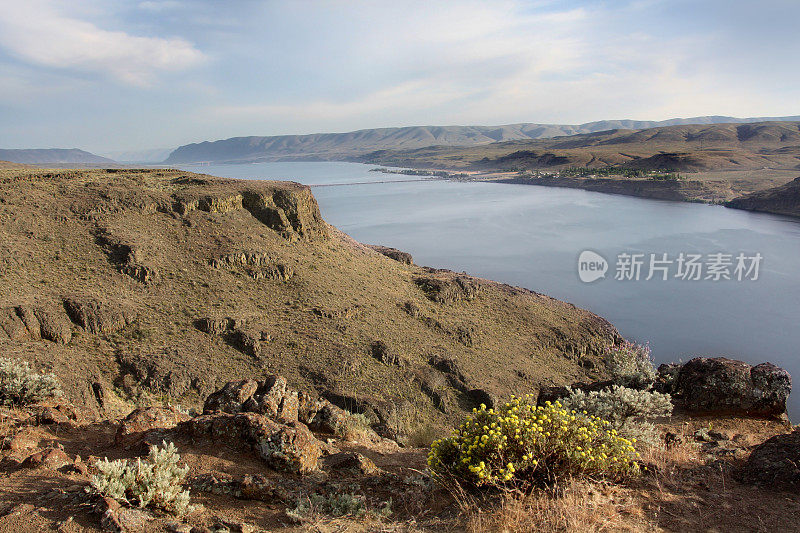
[{"x": 531, "y": 236}]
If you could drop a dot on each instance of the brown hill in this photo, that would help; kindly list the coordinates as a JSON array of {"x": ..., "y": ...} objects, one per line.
[
  {"x": 685, "y": 148},
  {"x": 782, "y": 200},
  {"x": 8, "y": 165},
  {"x": 346, "y": 145},
  {"x": 130, "y": 284}
]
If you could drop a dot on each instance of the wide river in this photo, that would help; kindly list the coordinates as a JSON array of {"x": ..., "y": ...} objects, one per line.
[{"x": 532, "y": 237}]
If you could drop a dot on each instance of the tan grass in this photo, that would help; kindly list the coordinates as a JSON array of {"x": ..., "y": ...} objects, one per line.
[{"x": 578, "y": 505}]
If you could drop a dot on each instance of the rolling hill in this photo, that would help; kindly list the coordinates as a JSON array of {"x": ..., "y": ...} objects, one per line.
[
  {"x": 685, "y": 148},
  {"x": 54, "y": 156},
  {"x": 343, "y": 146}
]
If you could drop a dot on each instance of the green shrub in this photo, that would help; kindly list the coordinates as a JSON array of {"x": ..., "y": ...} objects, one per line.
[
  {"x": 521, "y": 443},
  {"x": 19, "y": 385},
  {"x": 628, "y": 410},
  {"x": 630, "y": 364},
  {"x": 156, "y": 481}
]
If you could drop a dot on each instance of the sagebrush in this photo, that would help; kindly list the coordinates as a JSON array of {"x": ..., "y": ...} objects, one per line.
[
  {"x": 19, "y": 385},
  {"x": 156, "y": 481},
  {"x": 630, "y": 364},
  {"x": 521, "y": 443},
  {"x": 628, "y": 410}
]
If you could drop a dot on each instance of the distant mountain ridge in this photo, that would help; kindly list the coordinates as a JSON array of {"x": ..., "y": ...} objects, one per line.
[
  {"x": 50, "y": 156},
  {"x": 342, "y": 146}
]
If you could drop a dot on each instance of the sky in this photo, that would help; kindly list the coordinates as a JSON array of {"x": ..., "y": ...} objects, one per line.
[{"x": 132, "y": 75}]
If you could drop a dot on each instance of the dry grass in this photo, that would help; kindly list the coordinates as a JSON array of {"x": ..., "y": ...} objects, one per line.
[{"x": 577, "y": 505}]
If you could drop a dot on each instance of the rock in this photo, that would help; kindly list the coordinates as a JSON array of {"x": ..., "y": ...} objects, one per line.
[
  {"x": 447, "y": 290},
  {"x": 214, "y": 326},
  {"x": 289, "y": 447},
  {"x": 775, "y": 462},
  {"x": 143, "y": 420},
  {"x": 51, "y": 458},
  {"x": 94, "y": 316},
  {"x": 724, "y": 385},
  {"x": 247, "y": 342},
  {"x": 231, "y": 397},
  {"x": 271, "y": 397},
  {"x": 28, "y": 317},
  {"x": 12, "y": 324},
  {"x": 382, "y": 353},
  {"x": 329, "y": 419},
  {"x": 118, "y": 519},
  {"x": 352, "y": 462},
  {"x": 393, "y": 253},
  {"x": 308, "y": 407},
  {"x": 54, "y": 323},
  {"x": 275, "y": 399}
]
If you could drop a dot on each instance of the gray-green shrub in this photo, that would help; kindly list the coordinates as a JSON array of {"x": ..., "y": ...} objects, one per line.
[
  {"x": 630, "y": 364},
  {"x": 19, "y": 385},
  {"x": 628, "y": 410},
  {"x": 156, "y": 481}
]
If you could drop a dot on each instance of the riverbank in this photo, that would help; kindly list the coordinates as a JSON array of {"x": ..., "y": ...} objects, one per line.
[{"x": 679, "y": 191}]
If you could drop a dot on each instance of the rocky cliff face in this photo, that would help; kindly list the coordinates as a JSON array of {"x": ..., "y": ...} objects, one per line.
[
  {"x": 136, "y": 284},
  {"x": 783, "y": 200}
]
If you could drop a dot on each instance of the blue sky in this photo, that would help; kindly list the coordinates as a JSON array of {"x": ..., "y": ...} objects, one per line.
[{"x": 124, "y": 75}]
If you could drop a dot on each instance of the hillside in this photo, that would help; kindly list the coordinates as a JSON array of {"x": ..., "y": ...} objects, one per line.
[
  {"x": 782, "y": 200},
  {"x": 337, "y": 146},
  {"x": 168, "y": 284},
  {"x": 54, "y": 156},
  {"x": 689, "y": 148},
  {"x": 8, "y": 165}
]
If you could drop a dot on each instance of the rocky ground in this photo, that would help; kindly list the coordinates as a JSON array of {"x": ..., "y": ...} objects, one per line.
[{"x": 263, "y": 457}]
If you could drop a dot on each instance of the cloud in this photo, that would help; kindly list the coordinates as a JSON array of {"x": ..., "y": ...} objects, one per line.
[{"x": 36, "y": 32}]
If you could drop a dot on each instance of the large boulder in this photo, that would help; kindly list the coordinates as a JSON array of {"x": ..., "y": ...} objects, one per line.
[
  {"x": 289, "y": 447},
  {"x": 724, "y": 385},
  {"x": 775, "y": 462}
]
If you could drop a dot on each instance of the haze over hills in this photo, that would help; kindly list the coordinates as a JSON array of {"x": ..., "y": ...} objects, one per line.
[
  {"x": 68, "y": 156},
  {"x": 339, "y": 146}
]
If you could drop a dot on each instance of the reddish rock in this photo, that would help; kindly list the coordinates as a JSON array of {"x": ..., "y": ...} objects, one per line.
[
  {"x": 231, "y": 397},
  {"x": 52, "y": 458},
  {"x": 140, "y": 421},
  {"x": 290, "y": 447}
]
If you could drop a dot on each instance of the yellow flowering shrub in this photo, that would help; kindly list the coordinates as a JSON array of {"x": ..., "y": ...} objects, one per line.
[{"x": 520, "y": 443}]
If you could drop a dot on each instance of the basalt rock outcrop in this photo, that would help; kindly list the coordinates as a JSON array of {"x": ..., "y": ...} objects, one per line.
[
  {"x": 775, "y": 463},
  {"x": 393, "y": 253},
  {"x": 722, "y": 385},
  {"x": 782, "y": 200}
]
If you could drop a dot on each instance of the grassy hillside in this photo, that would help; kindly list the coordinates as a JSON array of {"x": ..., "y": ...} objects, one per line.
[
  {"x": 691, "y": 148},
  {"x": 152, "y": 283}
]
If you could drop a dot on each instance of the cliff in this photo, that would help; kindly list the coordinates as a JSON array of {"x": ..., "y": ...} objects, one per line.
[{"x": 782, "y": 200}]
